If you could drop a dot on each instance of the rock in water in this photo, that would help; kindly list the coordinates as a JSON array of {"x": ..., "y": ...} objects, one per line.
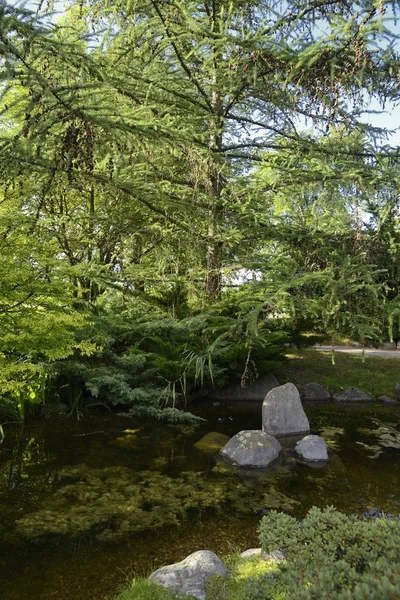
[
  {"x": 282, "y": 412},
  {"x": 251, "y": 448},
  {"x": 352, "y": 394},
  {"x": 312, "y": 447},
  {"x": 212, "y": 442},
  {"x": 190, "y": 575},
  {"x": 254, "y": 392},
  {"x": 314, "y": 391}
]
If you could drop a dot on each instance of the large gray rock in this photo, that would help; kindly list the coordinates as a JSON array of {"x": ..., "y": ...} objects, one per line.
[
  {"x": 251, "y": 448},
  {"x": 312, "y": 448},
  {"x": 396, "y": 390},
  {"x": 190, "y": 575},
  {"x": 282, "y": 412},
  {"x": 254, "y": 392},
  {"x": 352, "y": 394},
  {"x": 314, "y": 391}
]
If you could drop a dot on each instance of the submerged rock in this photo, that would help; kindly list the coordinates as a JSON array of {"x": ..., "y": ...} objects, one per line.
[
  {"x": 251, "y": 448},
  {"x": 314, "y": 391},
  {"x": 396, "y": 390},
  {"x": 283, "y": 413},
  {"x": 312, "y": 448},
  {"x": 352, "y": 394},
  {"x": 129, "y": 441},
  {"x": 254, "y": 392},
  {"x": 190, "y": 575},
  {"x": 212, "y": 442}
]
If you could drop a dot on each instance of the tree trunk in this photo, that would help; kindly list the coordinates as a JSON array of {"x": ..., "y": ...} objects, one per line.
[{"x": 214, "y": 244}]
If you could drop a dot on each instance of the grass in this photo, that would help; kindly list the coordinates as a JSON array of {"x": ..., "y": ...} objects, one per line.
[
  {"x": 217, "y": 587},
  {"x": 232, "y": 586},
  {"x": 141, "y": 589},
  {"x": 375, "y": 376}
]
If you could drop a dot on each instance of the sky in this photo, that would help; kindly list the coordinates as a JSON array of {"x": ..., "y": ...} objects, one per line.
[{"x": 385, "y": 118}]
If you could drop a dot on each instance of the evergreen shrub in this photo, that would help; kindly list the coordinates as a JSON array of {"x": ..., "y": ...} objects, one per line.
[{"x": 329, "y": 556}]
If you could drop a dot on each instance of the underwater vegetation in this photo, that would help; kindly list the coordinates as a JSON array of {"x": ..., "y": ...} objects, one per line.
[
  {"x": 115, "y": 501},
  {"x": 387, "y": 436}
]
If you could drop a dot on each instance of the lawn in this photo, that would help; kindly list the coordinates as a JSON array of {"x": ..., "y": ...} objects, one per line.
[{"x": 375, "y": 376}]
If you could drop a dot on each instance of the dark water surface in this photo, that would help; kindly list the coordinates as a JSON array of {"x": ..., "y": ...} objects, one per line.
[{"x": 85, "y": 505}]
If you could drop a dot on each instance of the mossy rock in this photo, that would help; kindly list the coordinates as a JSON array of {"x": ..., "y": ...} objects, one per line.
[{"x": 212, "y": 442}]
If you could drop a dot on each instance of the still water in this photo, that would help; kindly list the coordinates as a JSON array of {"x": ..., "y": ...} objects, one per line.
[{"x": 85, "y": 505}]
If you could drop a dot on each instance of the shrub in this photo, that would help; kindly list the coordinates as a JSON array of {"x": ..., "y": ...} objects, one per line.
[{"x": 330, "y": 556}]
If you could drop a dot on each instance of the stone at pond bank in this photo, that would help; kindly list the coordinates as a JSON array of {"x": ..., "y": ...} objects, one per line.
[
  {"x": 254, "y": 392},
  {"x": 352, "y": 394},
  {"x": 396, "y": 390},
  {"x": 274, "y": 556},
  {"x": 251, "y": 448},
  {"x": 388, "y": 401},
  {"x": 314, "y": 391},
  {"x": 190, "y": 575},
  {"x": 211, "y": 442},
  {"x": 282, "y": 412},
  {"x": 312, "y": 448}
]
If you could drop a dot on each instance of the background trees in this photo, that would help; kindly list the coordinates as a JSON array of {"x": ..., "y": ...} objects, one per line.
[{"x": 156, "y": 158}]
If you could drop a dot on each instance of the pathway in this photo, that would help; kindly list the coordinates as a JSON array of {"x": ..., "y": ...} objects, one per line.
[{"x": 382, "y": 353}]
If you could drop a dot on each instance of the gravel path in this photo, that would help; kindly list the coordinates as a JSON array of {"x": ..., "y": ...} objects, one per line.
[{"x": 382, "y": 353}]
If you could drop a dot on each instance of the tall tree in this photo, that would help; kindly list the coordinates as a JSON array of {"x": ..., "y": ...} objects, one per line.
[{"x": 199, "y": 91}]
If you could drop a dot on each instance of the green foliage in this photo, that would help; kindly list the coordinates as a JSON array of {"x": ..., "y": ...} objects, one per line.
[
  {"x": 151, "y": 364},
  {"x": 330, "y": 554},
  {"x": 146, "y": 590},
  {"x": 392, "y": 319},
  {"x": 217, "y": 588},
  {"x": 117, "y": 501},
  {"x": 130, "y": 201}
]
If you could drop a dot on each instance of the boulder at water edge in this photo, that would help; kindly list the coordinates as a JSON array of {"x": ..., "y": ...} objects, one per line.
[
  {"x": 388, "y": 401},
  {"x": 312, "y": 448},
  {"x": 251, "y": 448},
  {"x": 314, "y": 391},
  {"x": 254, "y": 392},
  {"x": 282, "y": 412},
  {"x": 352, "y": 394},
  {"x": 190, "y": 575}
]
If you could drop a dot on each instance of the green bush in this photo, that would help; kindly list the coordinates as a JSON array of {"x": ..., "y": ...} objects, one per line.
[{"x": 330, "y": 556}]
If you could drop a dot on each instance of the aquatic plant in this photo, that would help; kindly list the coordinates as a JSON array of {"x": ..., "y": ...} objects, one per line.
[
  {"x": 117, "y": 501},
  {"x": 387, "y": 436},
  {"x": 331, "y": 435}
]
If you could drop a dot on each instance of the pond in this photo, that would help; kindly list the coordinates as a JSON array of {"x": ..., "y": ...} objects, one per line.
[{"x": 85, "y": 505}]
